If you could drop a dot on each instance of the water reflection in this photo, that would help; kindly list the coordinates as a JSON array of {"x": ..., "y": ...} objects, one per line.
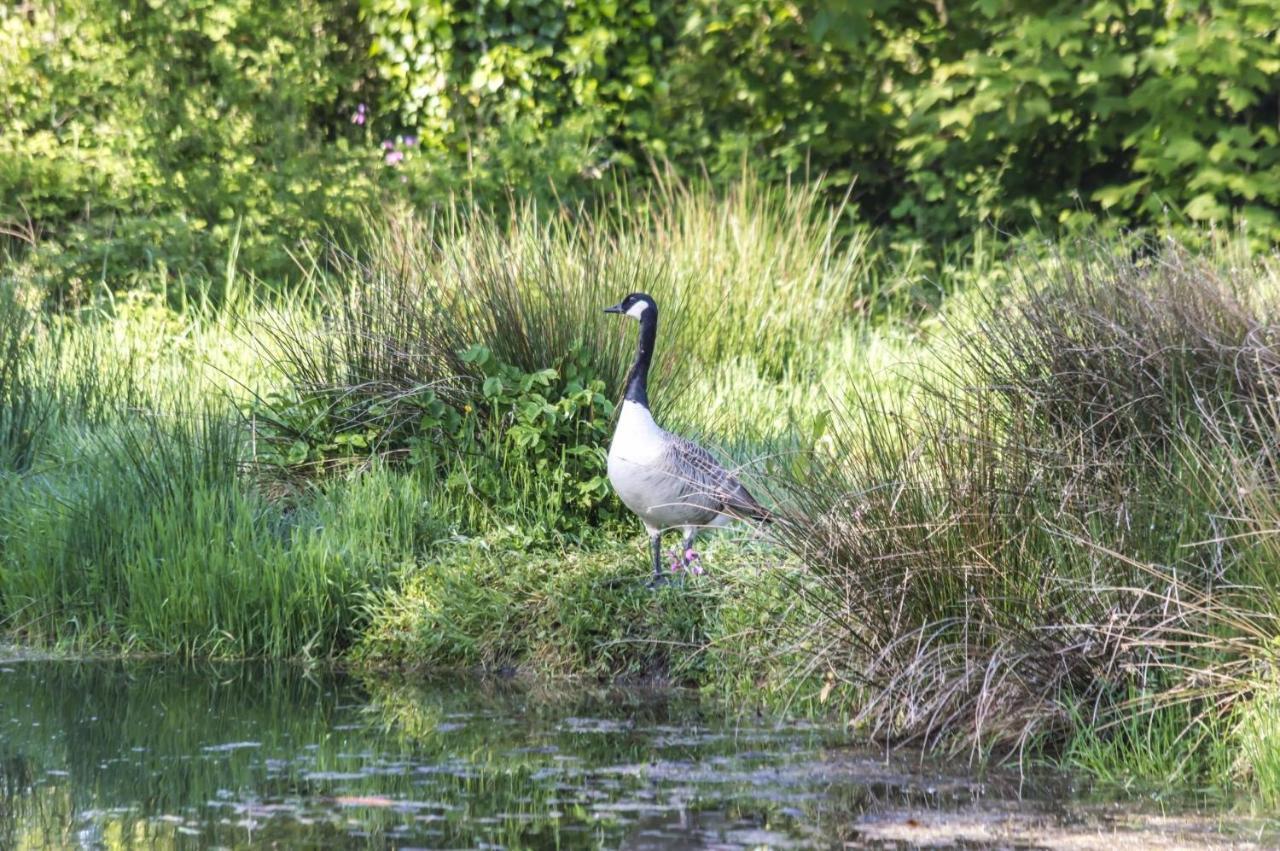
[{"x": 116, "y": 755}]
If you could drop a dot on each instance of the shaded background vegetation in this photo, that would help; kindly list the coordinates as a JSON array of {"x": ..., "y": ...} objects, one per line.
[{"x": 146, "y": 135}]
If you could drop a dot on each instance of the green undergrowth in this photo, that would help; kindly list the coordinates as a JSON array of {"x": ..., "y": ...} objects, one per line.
[
  {"x": 1173, "y": 753},
  {"x": 485, "y": 606}
]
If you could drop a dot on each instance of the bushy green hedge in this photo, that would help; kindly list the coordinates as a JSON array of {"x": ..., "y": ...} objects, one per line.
[{"x": 144, "y": 134}]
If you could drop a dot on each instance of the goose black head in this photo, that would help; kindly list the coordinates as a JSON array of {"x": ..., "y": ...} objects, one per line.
[{"x": 635, "y": 305}]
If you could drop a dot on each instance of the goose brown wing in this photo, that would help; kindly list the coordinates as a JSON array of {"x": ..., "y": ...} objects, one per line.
[{"x": 707, "y": 476}]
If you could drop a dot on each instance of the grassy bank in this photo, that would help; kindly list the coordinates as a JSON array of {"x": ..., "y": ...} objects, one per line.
[
  {"x": 1036, "y": 520},
  {"x": 257, "y": 474}
]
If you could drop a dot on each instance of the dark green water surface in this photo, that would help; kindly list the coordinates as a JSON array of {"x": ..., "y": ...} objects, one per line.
[{"x": 149, "y": 755}]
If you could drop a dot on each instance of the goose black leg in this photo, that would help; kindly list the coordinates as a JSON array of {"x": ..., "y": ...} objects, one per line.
[{"x": 655, "y": 544}]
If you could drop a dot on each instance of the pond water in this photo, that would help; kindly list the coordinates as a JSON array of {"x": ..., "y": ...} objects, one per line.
[{"x": 151, "y": 755}]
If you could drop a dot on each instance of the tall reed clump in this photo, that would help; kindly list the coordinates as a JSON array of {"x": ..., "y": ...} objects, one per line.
[
  {"x": 753, "y": 271},
  {"x": 402, "y": 368},
  {"x": 151, "y": 540},
  {"x": 1048, "y": 532}
]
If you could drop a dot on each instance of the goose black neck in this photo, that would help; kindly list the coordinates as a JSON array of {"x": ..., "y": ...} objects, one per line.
[{"x": 638, "y": 380}]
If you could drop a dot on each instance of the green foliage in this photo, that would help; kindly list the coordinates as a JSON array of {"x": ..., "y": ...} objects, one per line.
[
  {"x": 1133, "y": 108},
  {"x": 150, "y": 137},
  {"x": 146, "y": 135},
  {"x": 504, "y": 75},
  {"x": 502, "y": 436},
  {"x": 942, "y": 115},
  {"x": 794, "y": 87},
  {"x": 556, "y": 425}
]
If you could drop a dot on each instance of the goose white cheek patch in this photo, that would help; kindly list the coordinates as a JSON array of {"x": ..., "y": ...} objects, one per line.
[{"x": 637, "y": 310}]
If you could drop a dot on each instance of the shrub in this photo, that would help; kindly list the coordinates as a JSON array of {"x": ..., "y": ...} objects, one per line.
[
  {"x": 140, "y": 141},
  {"x": 1022, "y": 112},
  {"x": 1132, "y": 343},
  {"x": 529, "y": 447}
]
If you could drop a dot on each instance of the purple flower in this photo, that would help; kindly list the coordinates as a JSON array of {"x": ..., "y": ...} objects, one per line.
[
  {"x": 394, "y": 157},
  {"x": 358, "y": 116},
  {"x": 388, "y": 145},
  {"x": 410, "y": 141}
]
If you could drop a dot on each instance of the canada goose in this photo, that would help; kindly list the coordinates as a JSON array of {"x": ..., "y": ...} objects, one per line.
[{"x": 666, "y": 480}]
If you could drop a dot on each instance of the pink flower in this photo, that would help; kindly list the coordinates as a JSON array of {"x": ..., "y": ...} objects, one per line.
[
  {"x": 388, "y": 145},
  {"x": 688, "y": 560},
  {"x": 394, "y": 157},
  {"x": 358, "y": 117}
]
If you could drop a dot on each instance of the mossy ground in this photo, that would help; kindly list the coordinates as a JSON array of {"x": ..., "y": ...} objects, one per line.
[{"x": 590, "y": 613}]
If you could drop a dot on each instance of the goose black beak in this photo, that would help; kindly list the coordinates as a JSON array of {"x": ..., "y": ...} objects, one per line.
[{"x": 617, "y": 308}]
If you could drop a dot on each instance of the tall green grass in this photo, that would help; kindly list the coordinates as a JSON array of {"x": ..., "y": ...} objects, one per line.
[
  {"x": 130, "y": 524},
  {"x": 756, "y": 272},
  {"x": 143, "y": 537},
  {"x": 22, "y": 413}
]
